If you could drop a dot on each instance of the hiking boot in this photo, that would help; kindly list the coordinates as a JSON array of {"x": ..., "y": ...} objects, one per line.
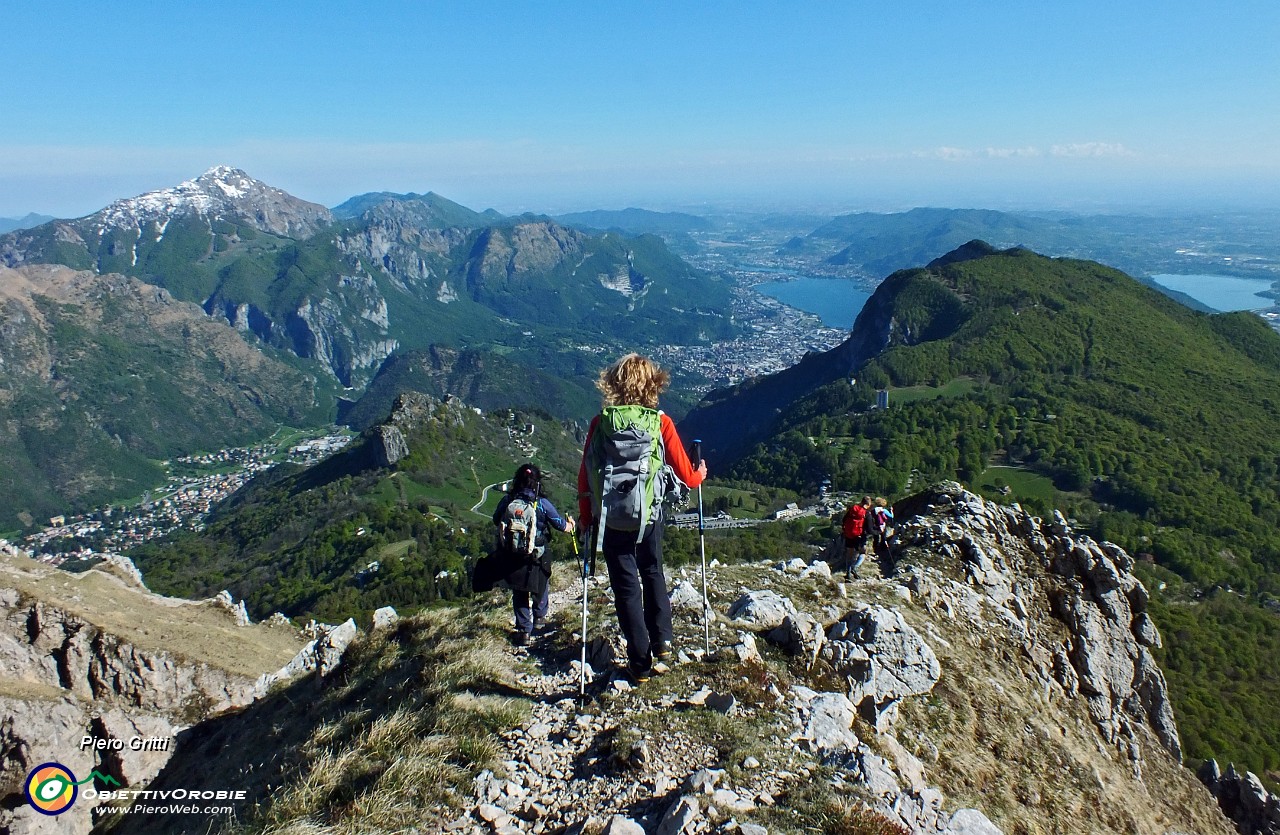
[
  {"x": 520, "y": 638},
  {"x": 662, "y": 650},
  {"x": 638, "y": 675}
]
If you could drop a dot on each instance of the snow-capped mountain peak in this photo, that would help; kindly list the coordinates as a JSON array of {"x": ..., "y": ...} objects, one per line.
[{"x": 221, "y": 192}]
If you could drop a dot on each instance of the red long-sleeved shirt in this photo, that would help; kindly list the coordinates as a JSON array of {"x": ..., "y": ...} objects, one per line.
[{"x": 675, "y": 456}]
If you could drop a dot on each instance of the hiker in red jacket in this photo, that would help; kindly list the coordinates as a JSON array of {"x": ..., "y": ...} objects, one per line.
[{"x": 854, "y": 529}]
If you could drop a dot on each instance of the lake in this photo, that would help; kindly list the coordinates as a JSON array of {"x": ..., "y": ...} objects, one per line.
[
  {"x": 836, "y": 301},
  {"x": 1220, "y": 292}
]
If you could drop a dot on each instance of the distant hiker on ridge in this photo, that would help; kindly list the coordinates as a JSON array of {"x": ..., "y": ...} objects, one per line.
[
  {"x": 853, "y": 528},
  {"x": 880, "y": 521},
  {"x": 523, "y": 517},
  {"x": 631, "y": 450}
]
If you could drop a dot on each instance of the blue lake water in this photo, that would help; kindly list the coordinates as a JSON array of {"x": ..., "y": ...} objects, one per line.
[
  {"x": 836, "y": 301},
  {"x": 1220, "y": 292}
]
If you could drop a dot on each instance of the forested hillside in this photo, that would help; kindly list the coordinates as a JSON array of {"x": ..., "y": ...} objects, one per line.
[
  {"x": 1063, "y": 383},
  {"x": 103, "y": 376}
]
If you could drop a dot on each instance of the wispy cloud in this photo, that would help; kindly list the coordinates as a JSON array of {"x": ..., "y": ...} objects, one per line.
[
  {"x": 946, "y": 153},
  {"x": 1065, "y": 150},
  {"x": 1091, "y": 149},
  {"x": 1013, "y": 153}
]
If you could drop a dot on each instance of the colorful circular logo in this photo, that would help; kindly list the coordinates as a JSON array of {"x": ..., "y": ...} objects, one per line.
[{"x": 51, "y": 788}]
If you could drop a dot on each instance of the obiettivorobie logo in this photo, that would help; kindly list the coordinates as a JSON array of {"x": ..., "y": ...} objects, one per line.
[{"x": 52, "y": 789}]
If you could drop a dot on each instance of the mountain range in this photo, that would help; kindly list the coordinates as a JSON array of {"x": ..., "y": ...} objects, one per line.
[
  {"x": 875, "y": 244},
  {"x": 383, "y": 271},
  {"x": 342, "y": 297},
  {"x": 1119, "y": 421}
]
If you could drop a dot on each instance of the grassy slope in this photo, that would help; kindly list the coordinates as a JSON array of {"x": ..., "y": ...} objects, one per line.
[{"x": 197, "y": 631}]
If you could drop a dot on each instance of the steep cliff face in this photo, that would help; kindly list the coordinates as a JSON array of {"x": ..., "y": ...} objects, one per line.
[
  {"x": 1078, "y": 611},
  {"x": 93, "y": 656},
  {"x": 402, "y": 247},
  {"x": 413, "y": 238},
  {"x": 347, "y": 330},
  {"x": 104, "y": 677},
  {"x": 503, "y": 256}
]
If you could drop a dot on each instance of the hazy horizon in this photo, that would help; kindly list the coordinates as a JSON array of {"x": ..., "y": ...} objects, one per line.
[{"x": 1082, "y": 106}]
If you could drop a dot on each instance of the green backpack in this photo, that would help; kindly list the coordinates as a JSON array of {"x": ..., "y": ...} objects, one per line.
[{"x": 624, "y": 466}]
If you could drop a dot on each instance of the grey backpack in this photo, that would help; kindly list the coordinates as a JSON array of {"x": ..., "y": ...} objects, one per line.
[{"x": 626, "y": 467}]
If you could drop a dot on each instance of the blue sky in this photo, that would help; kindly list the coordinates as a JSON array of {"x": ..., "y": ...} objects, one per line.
[{"x": 576, "y": 105}]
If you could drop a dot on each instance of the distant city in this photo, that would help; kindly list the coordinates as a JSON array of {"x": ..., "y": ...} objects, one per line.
[{"x": 779, "y": 337}]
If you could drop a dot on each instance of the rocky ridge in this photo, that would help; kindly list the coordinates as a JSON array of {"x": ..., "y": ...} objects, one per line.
[
  {"x": 1243, "y": 798},
  {"x": 997, "y": 678},
  {"x": 989, "y": 677},
  {"x": 98, "y": 656}
]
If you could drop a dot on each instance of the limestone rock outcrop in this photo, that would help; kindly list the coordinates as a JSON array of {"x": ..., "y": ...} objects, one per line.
[
  {"x": 1243, "y": 799},
  {"x": 53, "y": 648},
  {"x": 884, "y": 659},
  {"x": 1011, "y": 556}
]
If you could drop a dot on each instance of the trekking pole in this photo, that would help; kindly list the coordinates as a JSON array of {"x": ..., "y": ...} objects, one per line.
[
  {"x": 582, "y": 671},
  {"x": 848, "y": 557},
  {"x": 702, "y": 550}
]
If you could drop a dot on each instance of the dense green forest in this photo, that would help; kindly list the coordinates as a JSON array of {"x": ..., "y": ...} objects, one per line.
[
  {"x": 1065, "y": 384},
  {"x": 1220, "y": 656}
]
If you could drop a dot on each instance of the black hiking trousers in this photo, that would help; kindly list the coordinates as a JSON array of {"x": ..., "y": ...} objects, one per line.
[{"x": 639, "y": 591}]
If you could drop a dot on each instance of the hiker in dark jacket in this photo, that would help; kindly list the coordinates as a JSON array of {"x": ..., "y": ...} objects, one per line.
[
  {"x": 526, "y": 484},
  {"x": 641, "y": 598}
]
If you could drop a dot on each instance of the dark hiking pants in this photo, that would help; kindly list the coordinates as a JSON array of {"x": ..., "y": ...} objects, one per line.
[
  {"x": 529, "y": 612},
  {"x": 639, "y": 590}
]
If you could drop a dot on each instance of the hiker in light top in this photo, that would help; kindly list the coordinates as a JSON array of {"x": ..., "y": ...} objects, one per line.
[
  {"x": 526, "y": 486},
  {"x": 882, "y": 514},
  {"x": 626, "y": 448}
]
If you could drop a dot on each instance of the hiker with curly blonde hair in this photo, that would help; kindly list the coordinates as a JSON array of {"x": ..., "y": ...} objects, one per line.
[{"x": 630, "y": 450}]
